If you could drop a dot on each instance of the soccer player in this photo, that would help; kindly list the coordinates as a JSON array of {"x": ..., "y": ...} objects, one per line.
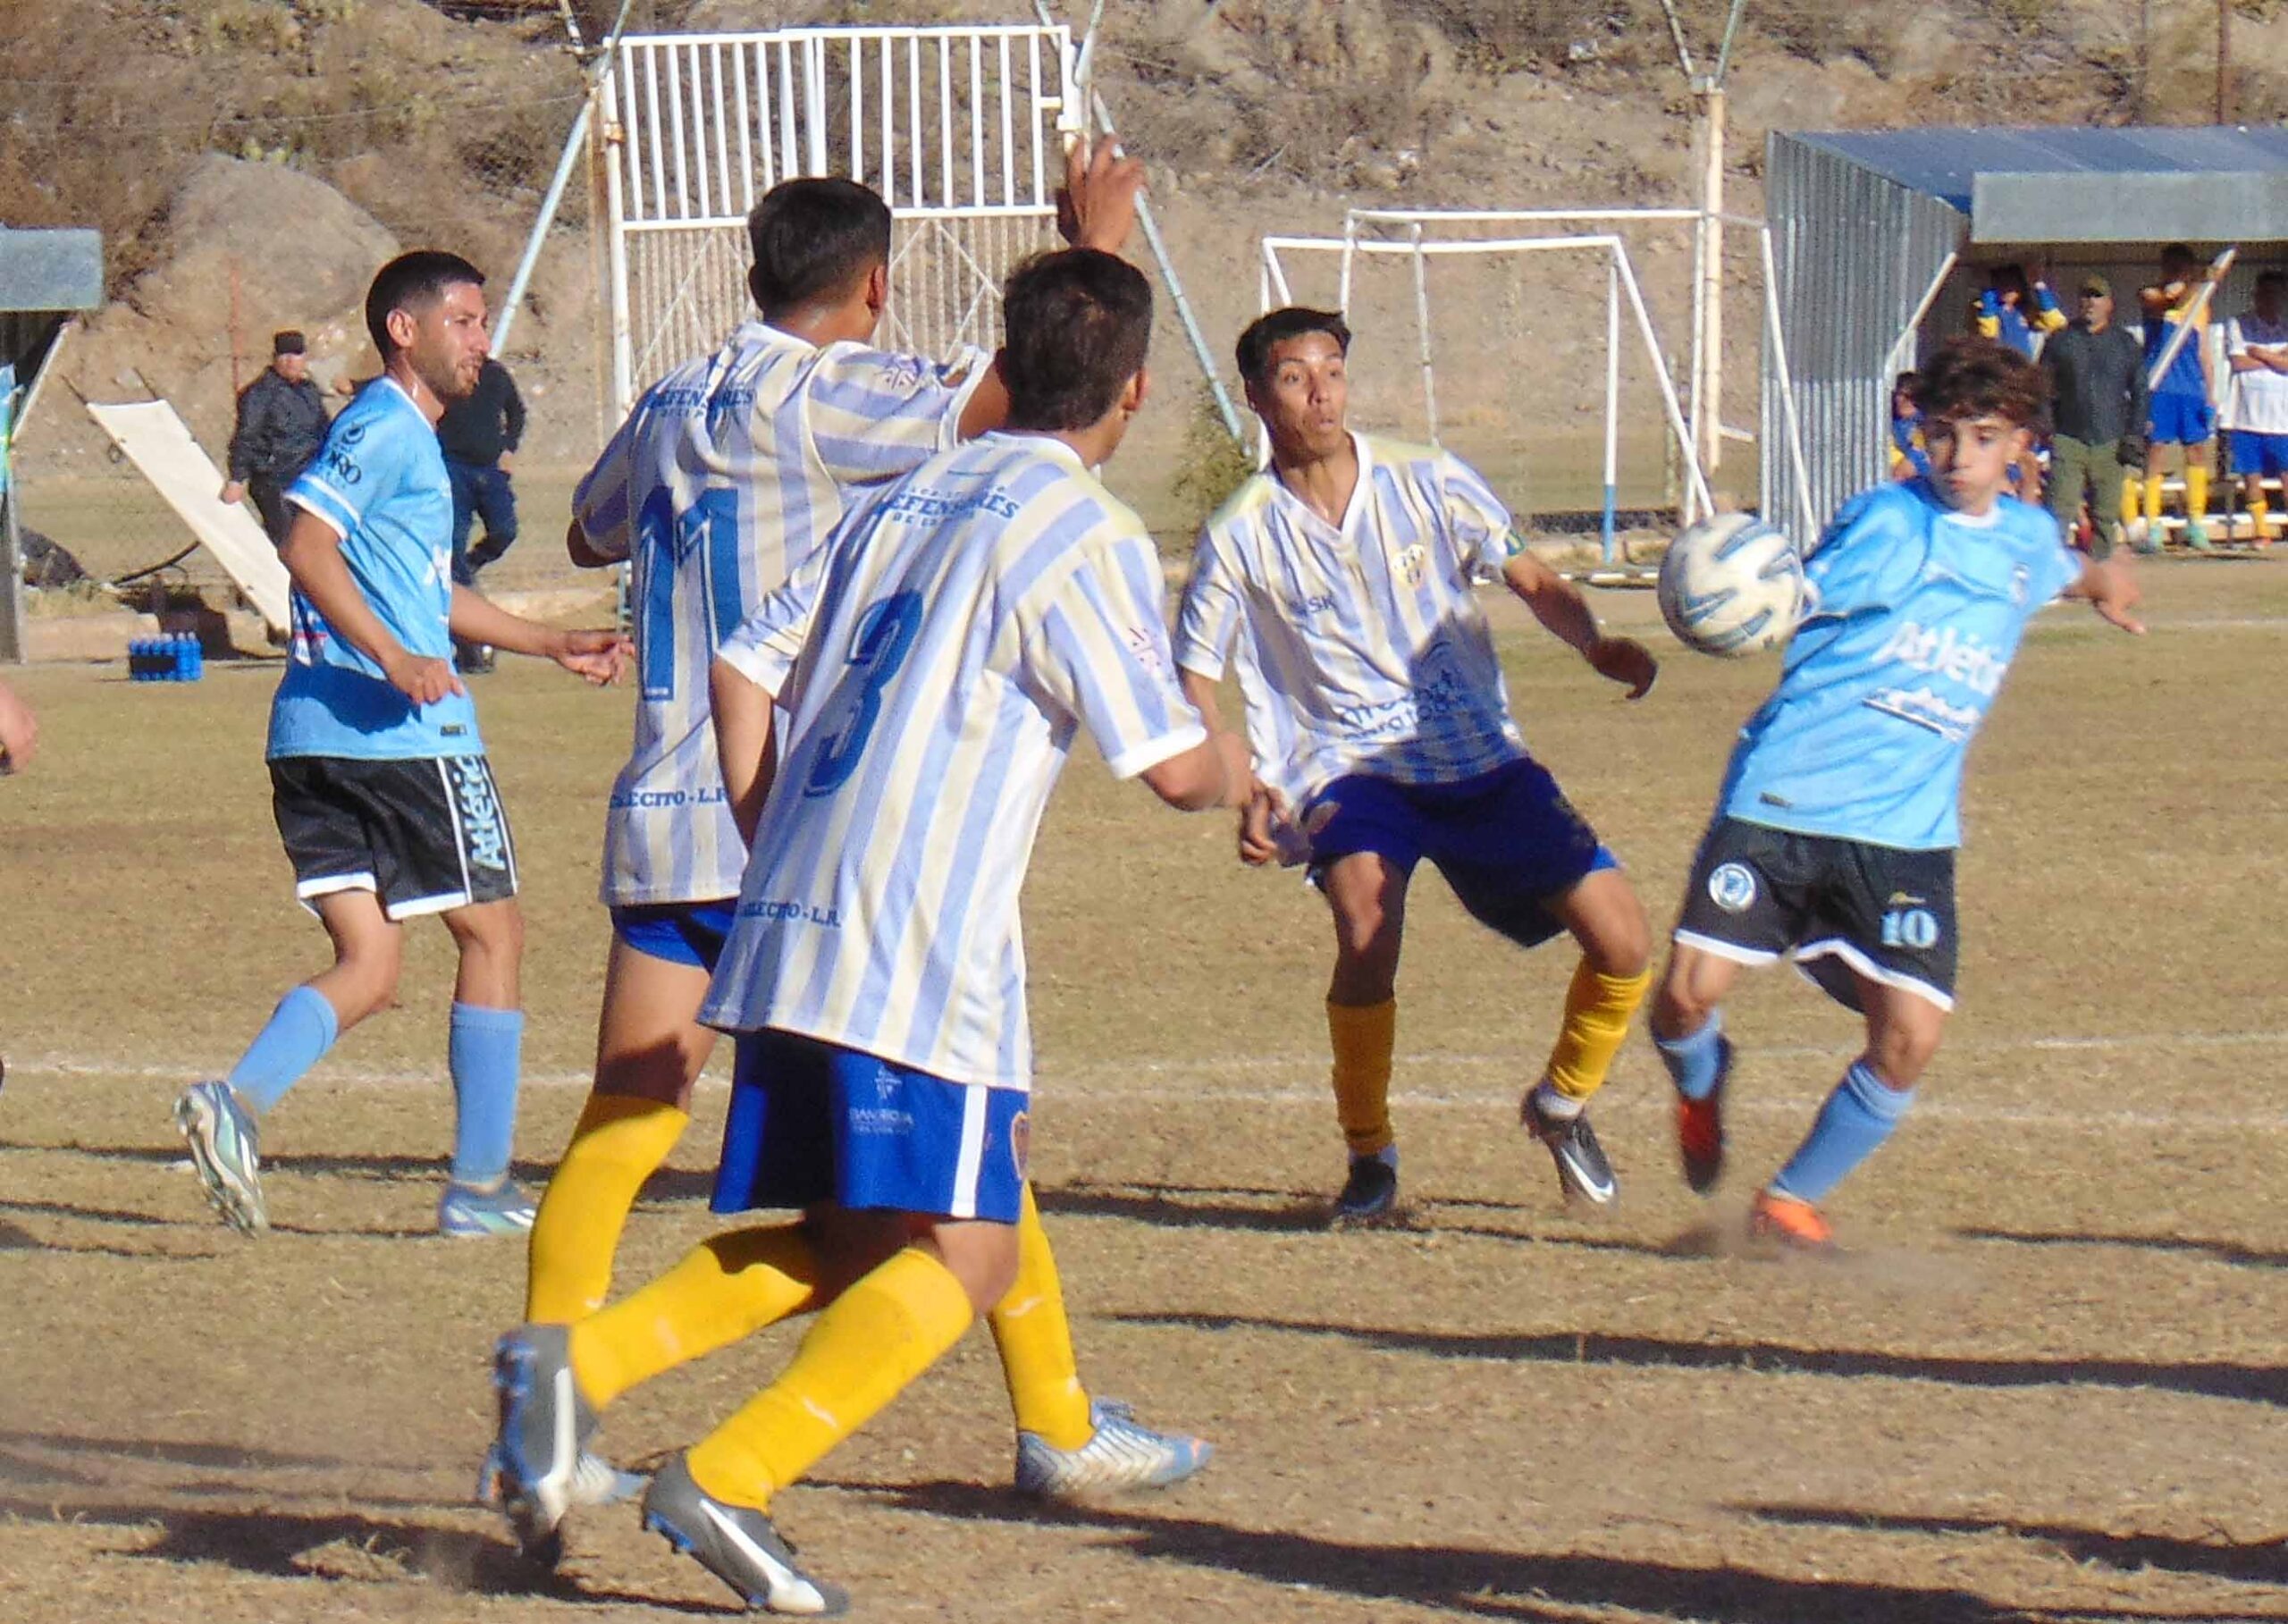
[
  {"x": 939, "y": 654},
  {"x": 1835, "y": 831},
  {"x": 730, "y": 473},
  {"x": 2257, "y": 343},
  {"x": 2182, "y": 420},
  {"x": 384, "y": 797},
  {"x": 1343, "y": 570}
]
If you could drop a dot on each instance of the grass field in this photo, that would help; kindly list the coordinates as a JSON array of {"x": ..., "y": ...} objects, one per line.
[{"x": 2048, "y": 1383}]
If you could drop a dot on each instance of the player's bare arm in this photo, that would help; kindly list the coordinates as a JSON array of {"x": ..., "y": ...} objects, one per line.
[
  {"x": 1558, "y": 604},
  {"x": 18, "y": 731},
  {"x": 1265, "y": 809},
  {"x": 2111, "y": 589},
  {"x": 1214, "y": 772},
  {"x": 597, "y": 655},
  {"x": 581, "y": 552},
  {"x": 312, "y": 558},
  {"x": 745, "y": 742}
]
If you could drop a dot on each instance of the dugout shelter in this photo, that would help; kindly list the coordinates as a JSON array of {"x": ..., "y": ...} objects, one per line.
[
  {"x": 45, "y": 278},
  {"x": 1882, "y": 239}
]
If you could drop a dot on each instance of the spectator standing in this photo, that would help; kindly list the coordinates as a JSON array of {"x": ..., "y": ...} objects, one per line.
[
  {"x": 2257, "y": 346},
  {"x": 2182, "y": 414},
  {"x": 2098, "y": 407},
  {"x": 2015, "y": 310},
  {"x": 480, "y": 436},
  {"x": 281, "y": 423},
  {"x": 1908, "y": 458}
]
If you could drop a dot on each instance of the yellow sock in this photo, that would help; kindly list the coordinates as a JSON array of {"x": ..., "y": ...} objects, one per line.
[
  {"x": 2259, "y": 511},
  {"x": 724, "y": 1289},
  {"x": 1364, "y": 1037},
  {"x": 2196, "y": 491},
  {"x": 619, "y": 1143},
  {"x": 2152, "y": 501},
  {"x": 1036, "y": 1342},
  {"x": 2133, "y": 495},
  {"x": 864, "y": 1350},
  {"x": 1597, "y": 1011}
]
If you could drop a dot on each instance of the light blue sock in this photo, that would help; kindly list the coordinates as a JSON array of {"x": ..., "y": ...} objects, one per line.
[
  {"x": 485, "y": 1053},
  {"x": 1692, "y": 1058},
  {"x": 1857, "y": 1117},
  {"x": 301, "y": 1029}
]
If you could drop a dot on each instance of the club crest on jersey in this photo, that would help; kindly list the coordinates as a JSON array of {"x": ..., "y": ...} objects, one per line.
[
  {"x": 1413, "y": 563},
  {"x": 2021, "y": 581},
  {"x": 1732, "y": 886}
]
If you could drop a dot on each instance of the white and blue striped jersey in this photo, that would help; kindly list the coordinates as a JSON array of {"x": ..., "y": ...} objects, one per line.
[
  {"x": 729, "y": 474},
  {"x": 939, "y": 655},
  {"x": 1360, "y": 648},
  {"x": 379, "y": 483}
]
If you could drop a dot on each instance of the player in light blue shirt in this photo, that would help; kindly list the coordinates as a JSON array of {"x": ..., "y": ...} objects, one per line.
[
  {"x": 1835, "y": 831},
  {"x": 379, "y": 781}
]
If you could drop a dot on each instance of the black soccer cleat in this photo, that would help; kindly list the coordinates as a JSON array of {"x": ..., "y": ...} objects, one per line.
[
  {"x": 1581, "y": 1165},
  {"x": 1369, "y": 1195}
]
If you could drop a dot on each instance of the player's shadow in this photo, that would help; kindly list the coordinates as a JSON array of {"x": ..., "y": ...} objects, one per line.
[
  {"x": 278, "y": 1544},
  {"x": 2219, "y": 1251},
  {"x": 2264, "y": 1562},
  {"x": 2207, "y": 1378},
  {"x": 1293, "y": 1211},
  {"x": 1488, "y": 1584}
]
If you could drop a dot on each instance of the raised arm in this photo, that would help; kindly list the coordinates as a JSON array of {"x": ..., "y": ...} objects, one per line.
[{"x": 1558, "y": 604}]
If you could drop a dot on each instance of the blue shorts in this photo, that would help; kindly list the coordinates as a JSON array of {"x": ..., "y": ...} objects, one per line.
[
  {"x": 2255, "y": 453},
  {"x": 680, "y": 933},
  {"x": 2182, "y": 420},
  {"x": 1508, "y": 841},
  {"x": 811, "y": 1123}
]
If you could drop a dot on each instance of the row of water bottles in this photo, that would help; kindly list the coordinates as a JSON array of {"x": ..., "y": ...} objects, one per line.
[{"x": 175, "y": 658}]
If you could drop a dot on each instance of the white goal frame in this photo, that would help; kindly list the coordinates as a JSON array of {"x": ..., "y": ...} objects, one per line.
[{"x": 961, "y": 130}]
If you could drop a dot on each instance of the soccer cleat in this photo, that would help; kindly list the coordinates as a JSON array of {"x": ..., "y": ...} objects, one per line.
[
  {"x": 1369, "y": 1195},
  {"x": 738, "y": 1545},
  {"x": 1789, "y": 1222},
  {"x": 223, "y": 1149},
  {"x": 1699, "y": 1126},
  {"x": 1581, "y": 1165},
  {"x": 1121, "y": 1453},
  {"x": 538, "y": 1456},
  {"x": 2196, "y": 535},
  {"x": 464, "y": 1211}
]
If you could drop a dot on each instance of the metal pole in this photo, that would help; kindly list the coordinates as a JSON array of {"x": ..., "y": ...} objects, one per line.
[
  {"x": 1612, "y": 398},
  {"x": 2193, "y": 313},
  {"x": 1810, "y": 519},
  {"x": 1422, "y": 323},
  {"x": 1695, "y": 482},
  {"x": 1711, "y": 271}
]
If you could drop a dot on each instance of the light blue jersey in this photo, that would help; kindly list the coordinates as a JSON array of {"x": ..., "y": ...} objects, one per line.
[
  {"x": 379, "y": 483},
  {"x": 1918, "y": 612}
]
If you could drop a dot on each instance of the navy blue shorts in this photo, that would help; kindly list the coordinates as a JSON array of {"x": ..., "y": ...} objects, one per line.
[
  {"x": 1508, "y": 841},
  {"x": 811, "y": 1123},
  {"x": 2182, "y": 420},
  {"x": 680, "y": 933},
  {"x": 2255, "y": 453}
]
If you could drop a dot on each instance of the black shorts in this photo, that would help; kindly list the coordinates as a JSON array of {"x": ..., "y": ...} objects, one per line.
[
  {"x": 1843, "y": 908},
  {"x": 424, "y": 836}
]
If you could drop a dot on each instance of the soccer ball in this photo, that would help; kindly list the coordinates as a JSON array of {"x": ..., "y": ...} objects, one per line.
[{"x": 1732, "y": 585}]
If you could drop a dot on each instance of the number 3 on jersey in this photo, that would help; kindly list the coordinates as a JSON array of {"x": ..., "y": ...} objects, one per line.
[
  {"x": 885, "y": 637},
  {"x": 665, "y": 540}
]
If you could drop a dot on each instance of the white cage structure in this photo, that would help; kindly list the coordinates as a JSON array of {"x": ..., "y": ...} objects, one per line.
[
  {"x": 1419, "y": 238},
  {"x": 959, "y": 129}
]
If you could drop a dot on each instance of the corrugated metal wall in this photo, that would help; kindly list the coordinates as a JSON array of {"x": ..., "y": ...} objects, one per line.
[{"x": 1854, "y": 253}]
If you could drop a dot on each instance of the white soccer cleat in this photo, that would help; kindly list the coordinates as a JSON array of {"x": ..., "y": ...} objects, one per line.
[{"x": 1121, "y": 1453}]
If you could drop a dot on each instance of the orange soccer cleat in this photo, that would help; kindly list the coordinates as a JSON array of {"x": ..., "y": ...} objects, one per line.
[{"x": 1791, "y": 1222}]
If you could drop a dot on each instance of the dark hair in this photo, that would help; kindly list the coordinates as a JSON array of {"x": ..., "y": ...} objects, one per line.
[
  {"x": 2009, "y": 279},
  {"x": 413, "y": 282},
  {"x": 288, "y": 342},
  {"x": 812, "y": 239},
  {"x": 1078, "y": 323},
  {"x": 1254, "y": 348},
  {"x": 2272, "y": 279},
  {"x": 2178, "y": 250},
  {"x": 1908, "y": 383},
  {"x": 1972, "y": 377}
]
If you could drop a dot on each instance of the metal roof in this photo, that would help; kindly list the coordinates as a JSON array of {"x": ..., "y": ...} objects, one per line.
[
  {"x": 2066, "y": 184},
  {"x": 51, "y": 270}
]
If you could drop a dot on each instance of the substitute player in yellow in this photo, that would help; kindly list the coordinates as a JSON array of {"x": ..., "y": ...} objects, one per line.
[
  {"x": 939, "y": 655},
  {"x": 1344, "y": 572},
  {"x": 727, "y": 477}
]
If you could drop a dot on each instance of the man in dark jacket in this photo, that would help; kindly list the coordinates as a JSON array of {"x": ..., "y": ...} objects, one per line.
[
  {"x": 281, "y": 423},
  {"x": 2097, "y": 409},
  {"x": 479, "y": 434}
]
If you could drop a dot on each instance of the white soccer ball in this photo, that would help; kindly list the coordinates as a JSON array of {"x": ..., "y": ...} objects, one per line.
[{"x": 1732, "y": 585}]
